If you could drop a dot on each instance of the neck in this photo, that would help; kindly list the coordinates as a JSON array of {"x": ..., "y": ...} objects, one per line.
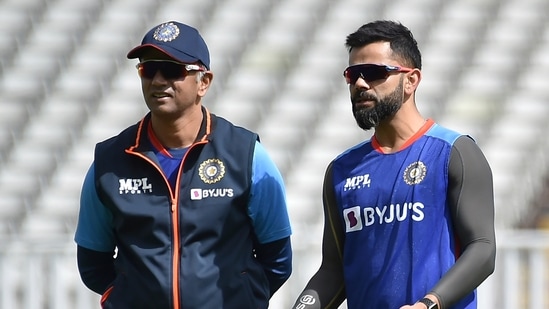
[
  {"x": 177, "y": 133},
  {"x": 396, "y": 132}
]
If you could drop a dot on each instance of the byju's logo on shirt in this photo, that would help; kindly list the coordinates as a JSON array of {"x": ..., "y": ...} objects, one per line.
[
  {"x": 134, "y": 186},
  {"x": 198, "y": 194},
  {"x": 357, "y": 217},
  {"x": 357, "y": 182}
]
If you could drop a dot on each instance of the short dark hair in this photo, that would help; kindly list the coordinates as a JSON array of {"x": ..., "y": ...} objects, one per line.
[{"x": 400, "y": 38}]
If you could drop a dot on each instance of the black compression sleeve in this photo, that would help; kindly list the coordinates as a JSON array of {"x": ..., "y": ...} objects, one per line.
[
  {"x": 326, "y": 288},
  {"x": 96, "y": 269},
  {"x": 471, "y": 201}
]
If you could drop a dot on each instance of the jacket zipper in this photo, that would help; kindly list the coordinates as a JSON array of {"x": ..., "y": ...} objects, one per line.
[
  {"x": 174, "y": 209},
  {"x": 175, "y": 225}
]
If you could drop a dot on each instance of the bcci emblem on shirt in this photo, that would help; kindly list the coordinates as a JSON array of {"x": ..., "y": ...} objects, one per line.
[
  {"x": 211, "y": 171},
  {"x": 415, "y": 173}
]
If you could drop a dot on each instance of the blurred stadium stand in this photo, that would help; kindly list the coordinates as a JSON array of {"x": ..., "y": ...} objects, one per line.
[{"x": 66, "y": 84}]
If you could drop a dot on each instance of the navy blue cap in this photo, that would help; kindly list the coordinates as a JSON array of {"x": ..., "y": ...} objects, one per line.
[{"x": 179, "y": 41}]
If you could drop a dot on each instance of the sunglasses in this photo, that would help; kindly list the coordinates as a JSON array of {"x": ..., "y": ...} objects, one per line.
[
  {"x": 169, "y": 69},
  {"x": 370, "y": 72}
]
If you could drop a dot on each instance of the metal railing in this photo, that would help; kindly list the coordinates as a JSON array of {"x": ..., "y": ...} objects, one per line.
[{"x": 40, "y": 274}]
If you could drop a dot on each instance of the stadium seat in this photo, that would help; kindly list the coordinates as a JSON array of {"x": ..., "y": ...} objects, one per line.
[{"x": 65, "y": 84}]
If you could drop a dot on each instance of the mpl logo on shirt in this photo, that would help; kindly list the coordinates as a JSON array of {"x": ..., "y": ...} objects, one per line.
[
  {"x": 134, "y": 185},
  {"x": 357, "y": 182}
]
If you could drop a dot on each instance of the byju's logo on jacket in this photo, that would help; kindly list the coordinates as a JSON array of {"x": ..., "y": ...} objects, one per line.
[{"x": 211, "y": 171}]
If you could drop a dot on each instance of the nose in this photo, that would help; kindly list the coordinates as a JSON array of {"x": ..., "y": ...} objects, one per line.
[
  {"x": 361, "y": 83},
  {"x": 158, "y": 78}
]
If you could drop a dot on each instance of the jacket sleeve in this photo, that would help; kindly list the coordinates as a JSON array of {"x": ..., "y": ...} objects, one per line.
[
  {"x": 96, "y": 269},
  {"x": 276, "y": 259},
  {"x": 269, "y": 214}
]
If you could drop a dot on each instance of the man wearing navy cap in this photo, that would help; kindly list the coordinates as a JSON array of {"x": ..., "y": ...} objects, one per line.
[{"x": 182, "y": 209}]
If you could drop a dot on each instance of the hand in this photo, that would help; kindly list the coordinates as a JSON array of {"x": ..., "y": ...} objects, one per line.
[
  {"x": 414, "y": 306},
  {"x": 425, "y": 303}
]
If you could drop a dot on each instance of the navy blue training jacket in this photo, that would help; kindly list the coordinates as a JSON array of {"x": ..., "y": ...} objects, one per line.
[{"x": 192, "y": 248}]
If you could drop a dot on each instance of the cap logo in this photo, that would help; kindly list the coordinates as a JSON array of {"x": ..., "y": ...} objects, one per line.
[{"x": 166, "y": 32}]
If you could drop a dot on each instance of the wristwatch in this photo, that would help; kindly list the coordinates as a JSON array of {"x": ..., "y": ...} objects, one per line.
[{"x": 429, "y": 303}]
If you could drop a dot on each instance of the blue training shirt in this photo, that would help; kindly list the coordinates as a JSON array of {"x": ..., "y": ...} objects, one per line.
[{"x": 399, "y": 238}]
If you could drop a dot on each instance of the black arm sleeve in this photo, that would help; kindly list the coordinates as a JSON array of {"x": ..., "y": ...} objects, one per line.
[
  {"x": 96, "y": 269},
  {"x": 276, "y": 259},
  {"x": 471, "y": 202},
  {"x": 326, "y": 288}
]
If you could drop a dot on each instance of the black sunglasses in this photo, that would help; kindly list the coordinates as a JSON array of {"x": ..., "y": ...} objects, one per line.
[
  {"x": 169, "y": 69},
  {"x": 370, "y": 72}
]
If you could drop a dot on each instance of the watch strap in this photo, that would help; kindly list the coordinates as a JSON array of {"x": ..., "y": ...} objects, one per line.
[{"x": 429, "y": 303}]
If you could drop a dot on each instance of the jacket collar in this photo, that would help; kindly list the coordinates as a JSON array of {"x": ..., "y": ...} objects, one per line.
[{"x": 141, "y": 138}]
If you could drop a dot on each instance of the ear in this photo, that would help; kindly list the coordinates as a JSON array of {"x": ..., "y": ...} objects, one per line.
[
  {"x": 412, "y": 81},
  {"x": 204, "y": 83}
]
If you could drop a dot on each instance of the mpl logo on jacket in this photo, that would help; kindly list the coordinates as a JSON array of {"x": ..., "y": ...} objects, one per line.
[
  {"x": 134, "y": 185},
  {"x": 211, "y": 171},
  {"x": 415, "y": 173}
]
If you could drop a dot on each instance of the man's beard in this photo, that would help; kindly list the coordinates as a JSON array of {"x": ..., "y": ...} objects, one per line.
[{"x": 384, "y": 108}]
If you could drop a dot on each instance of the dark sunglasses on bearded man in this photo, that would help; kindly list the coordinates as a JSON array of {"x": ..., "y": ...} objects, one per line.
[{"x": 370, "y": 72}]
